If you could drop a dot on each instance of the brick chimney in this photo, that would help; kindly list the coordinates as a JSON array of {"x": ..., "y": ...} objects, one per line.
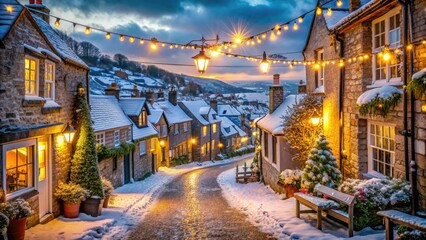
[
  {"x": 302, "y": 87},
  {"x": 113, "y": 90},
  {"x": 276, "y": 94},
  {"x": 173, "y": 96},
  {"x": 160, "y": 94},
  {"x": 213, "y": 104},
  {"x": 38, "y": 5},
  {"x": 150, "y": 96},
  {"x": 354, "y": 5},
  {"x": 135, "y": 92}
]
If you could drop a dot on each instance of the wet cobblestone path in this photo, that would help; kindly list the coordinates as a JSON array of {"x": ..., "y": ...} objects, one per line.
[{"x": 192, "y": 207}]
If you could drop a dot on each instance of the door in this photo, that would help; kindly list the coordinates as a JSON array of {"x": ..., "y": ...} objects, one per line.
[
  {"x": 43, "y": 154},
  {"x": 126, "y": 168}
]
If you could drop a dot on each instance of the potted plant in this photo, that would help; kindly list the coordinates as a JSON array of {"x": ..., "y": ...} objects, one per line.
[
  {"x": 84, "y": 164},
  {"x": 17, "y": 213},
  {"x": 108, "y": 188},
  {"x": 72, "y": 195},
  {"x": 291, "y": 180},
  {"x": 4, "y": 222}
]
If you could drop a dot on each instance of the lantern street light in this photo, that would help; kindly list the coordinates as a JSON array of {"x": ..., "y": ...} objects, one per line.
[
  {"x": 68, "y": 133},
  {"x": 315, "y": 119},
  {"x": 201, "y": 59},
  {"x": 265, "y": 65}
]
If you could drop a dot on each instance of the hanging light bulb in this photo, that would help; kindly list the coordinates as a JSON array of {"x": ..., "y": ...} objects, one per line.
[
  {"x": 410, "y": 47},
  {"x": 57, "y": 22},
  {"x": 201, "y": 61},
  {"x": 121, "y": 38},
  {"x": 318, "y": 11},
  {"x": 300, "y": 19},
  {"x": 272, "y": 36},
  {"x": 258, "y": 39},
  {"x": 9, "y": 8},
  {"x": 286, "y": 27},
  {"x": 339, "y": 3},
  {"x": 329, "y": 12},
  {"x": 154, "y": 44},
  {"x": 279, "y": 32},
  {"x": 108, "y": 36},
  {"x": 131, "y": 39},
  {"x": 341, "y": 63},
  {"x": 141, "y": 41},
  {"x": 264, "y": 65},
  {"x": 87, "y": 30},
  {"x": 291, "y": 65},
  {"x": 264, "y": 35},
  {"x": 176, "y": 46},
  {"x": 163, "y": 45},
  {"x": 252, "y": 42},
  {"x": 295, "y": 26}
]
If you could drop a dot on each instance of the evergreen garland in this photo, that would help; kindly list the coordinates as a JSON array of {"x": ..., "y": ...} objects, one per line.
[
  {"x": 380, "y": 106},
  {"x": 104, "y": 152},
  {"x": 321, "y": 167},
  {"x": 84, "y": 164},
  {"x": 417, "y": 86}
]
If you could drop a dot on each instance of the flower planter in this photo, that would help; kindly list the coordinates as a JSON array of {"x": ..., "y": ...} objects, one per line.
[
  {"x": 290, "y": 190},
  {"x": 92, "y": 206},
  {"x": 71, "y": 210},
  {"x": 106, "y": 201},
  {"x": 16, "y": 229}
]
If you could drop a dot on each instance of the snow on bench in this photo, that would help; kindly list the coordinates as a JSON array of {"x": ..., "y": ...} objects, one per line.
[
  {"x": 320, "y": 202},
  {"x": 393, "y": 216}
]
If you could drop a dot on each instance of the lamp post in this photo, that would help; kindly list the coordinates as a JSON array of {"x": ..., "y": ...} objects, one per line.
[
  {"x": 201, "y": 59},
  {"x": 68, "y": 132}
]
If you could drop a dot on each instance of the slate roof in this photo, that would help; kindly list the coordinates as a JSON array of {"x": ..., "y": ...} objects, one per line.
[
  {"x": 7, "y": 19},
  {"x": 155, "y": 114},
  {"x": 174, "y": 114},
  {"x": 227, "y": 110},
  {"x": 132, "y": 106},
  {"x": 106, "y": 113},
  {"x": 335, "y": 17},
  {"x": 144, "y": 132},
  {"x": 200, "y": 107},
  {"x": 228, "y": 128}
]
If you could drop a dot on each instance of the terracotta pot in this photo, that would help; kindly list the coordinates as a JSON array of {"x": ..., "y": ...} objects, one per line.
[
  {"x": 290, "y": 190},
  {"x": 16, "y": 229},
  {"x": 106, "y": 201},
  {"x": 71, "y": 210},
  {"x": 92, "y": 206}
]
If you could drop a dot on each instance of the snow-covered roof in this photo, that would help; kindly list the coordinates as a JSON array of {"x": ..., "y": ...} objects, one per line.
[
  {"x": 143, "y": 132},
  {"x": 43, "y": 51},
  {"x": 106, "y": 113},
  {"x": 381, "y": 92},
  {"x": 227, "y": 110},
  {"x": 132, "y": 106},
  {"x": 319, "y": 89},
  {"x": 227, "y": 127},
  {"x": 155, "y": 114},
  {"x": 272, "y": 123},
  {"x": 335, "y": 17},
  {"x": 365, "y": 5},
  {"x": 60, "y": 46},
  {"x": 419, "y": 74},
  {"x": 174, "y": 114},
  {"x": 199, "y": 107},
  {"x": 7, "y": 19}
]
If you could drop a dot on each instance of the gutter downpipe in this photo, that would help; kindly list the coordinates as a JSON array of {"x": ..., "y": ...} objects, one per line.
[{"x": 341, "y": 116}]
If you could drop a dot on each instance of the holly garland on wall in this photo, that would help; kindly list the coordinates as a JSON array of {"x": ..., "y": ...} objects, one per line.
[
  {"x": 379, "y": 101},
  {"x": 417, "y": 85},
  {"x": 104, "y": 152}
]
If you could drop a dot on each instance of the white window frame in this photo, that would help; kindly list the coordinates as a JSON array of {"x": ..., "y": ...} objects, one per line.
[
  {"x": 117, "y": 138},
  {"x": 372, "y": 145},
  {"x": 27, "y": 143},
  {"x": 100, "y": 138},
  {"x": 129, "y": 134},
  {"x": 37, "y": 80},
  {"x": 320, "y": 72},
  {"x": 142, "y": 146},
  {"x": 164, "y": 130},
  {"x": 176, "y": 128},
  {"x": 51, "y": 81},
  {"x": 185, "y": 127},
  {"x": 386, "y": 18}
]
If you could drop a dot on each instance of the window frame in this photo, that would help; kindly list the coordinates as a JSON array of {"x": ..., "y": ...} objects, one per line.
[
  {"x": 37, "y": 75},
  {"x": 388, "y": 65},
  {"x": 116, "y": 141},
  {"x": 52, "y": 81},
  {"x": 266, "y": 144},
  {"x": 274, "y": 149},
  {"x": 204, "y": 130},
  {"x": 185, "y": 127},
  {"x": 103, "y": 138},
  {"x": 214, "y": 127},
  {"x": 370, "y": 147},
  {"x": 320, "y": 73},
  {"x": 142, "y": 153},
  {"x": 164, "y": 130},
  {"x": 176, "y": 129}
]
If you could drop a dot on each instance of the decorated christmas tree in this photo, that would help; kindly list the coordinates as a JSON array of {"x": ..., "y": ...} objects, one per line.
[
  {"x": 321, "y": 167},
  {"x": 84, "y": 164}
]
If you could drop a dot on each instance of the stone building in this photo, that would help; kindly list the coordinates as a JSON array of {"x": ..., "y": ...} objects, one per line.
[
  {"x": 373, "y": 145},
  {"x": 158, "y": 119},
  {"x": 39, "y": 76},
  {"x": 232, "y": 137},
  {"x": 205, "y": 129}
]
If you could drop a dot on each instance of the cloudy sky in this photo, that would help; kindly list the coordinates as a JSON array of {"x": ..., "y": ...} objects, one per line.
[{"x": 181, "y": 21}]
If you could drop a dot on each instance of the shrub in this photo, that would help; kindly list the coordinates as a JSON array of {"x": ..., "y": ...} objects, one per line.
[
  {"x": 405, "y": 233},
  {"x": 179, "y": 160},
  {"x": 4, "y": 222},
  {"x": 107, "y": 186},
  {"x": 374, "y": 195},
  {"x": 71, "y": 192},
  {"x": 291, "y": 177},
  {"x": 16, "y": 209},
  {"x": 417, "y": 85}
]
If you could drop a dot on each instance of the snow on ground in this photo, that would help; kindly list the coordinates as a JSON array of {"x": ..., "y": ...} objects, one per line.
[
  {"x": 129, "y": 204},
  {"x": 267, "y": 210}
]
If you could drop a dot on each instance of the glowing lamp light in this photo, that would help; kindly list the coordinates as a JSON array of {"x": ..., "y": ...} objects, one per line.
[
  {"x": 87, "y": 31},
  {"x": 154, "y": 45},
  {"x": 339, "y": 3},
  {"x": 141, "y": 41},
  {"x": 272, "y": 37},
  {"x": 386, "y": 57},
  {"x": 264, "y": 65},
  {"x": 162, "y": 143},
  {"x": 238, "y": 39},
  {"x": 131, "y": 39},
  {"x": 264, "y": 35},
  {"x": 318, "y": 11},
  {"x": 300, "y": 19},
  {"x": 424, "y": 42},
  {"x": 121, "y": 38},
  {"x": 9, "y": 8},
  {"x": 329, "y": 12},
  {"x": 295, "y": 26},
  {"x": 108, "y": 36},
  {"x": 220, "y": 145},
  {"x": 68, "y": 132},
  {"x": 57, "y": 22},
  {"x": 201, "y": 61},
  {"x": 286, "y": 27},
  {"x": 423, "y": 108},
  {"x": 193, "y": 141},
  {"x": 410, "y": 47},
  {"x": 214, "y": 53},
  {"x": 317, "y": 66},
  {"x": 315, "y": 119}
]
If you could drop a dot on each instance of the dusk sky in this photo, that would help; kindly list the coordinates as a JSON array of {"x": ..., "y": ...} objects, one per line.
[{"x": 181, "y": 21}]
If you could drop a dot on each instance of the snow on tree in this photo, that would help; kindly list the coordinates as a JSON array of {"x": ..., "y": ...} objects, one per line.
[{"x": 321, "y": 167}]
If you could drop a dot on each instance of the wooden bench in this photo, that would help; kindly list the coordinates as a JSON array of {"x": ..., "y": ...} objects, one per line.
[
  {"x": 393, "y": 216},
  {"x": 330, "y": 207}
]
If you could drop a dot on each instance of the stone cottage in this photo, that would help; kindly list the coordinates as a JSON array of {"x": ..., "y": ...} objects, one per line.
[
  {"x": 39, "y": 76},
  {"x": 232, "y": 137}
]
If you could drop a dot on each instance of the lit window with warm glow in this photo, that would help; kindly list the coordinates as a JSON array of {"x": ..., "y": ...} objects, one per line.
[
  {"x": 19, "y": 167},
  {"x": 381, "y": 149},
  {"x": 31, "y": 76},
  {"x": 213, "y": 144},
  {"x": 142, "y": 119},
  {"x": 214, "y": 127},
  {"x": 204, "y": 131},
  {"x": 49, "y": 80}
]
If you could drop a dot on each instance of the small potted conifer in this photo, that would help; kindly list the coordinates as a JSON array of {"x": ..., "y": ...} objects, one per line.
[
  {"x": 72, "y": 195},
  {"x": 108, "y": 188}
]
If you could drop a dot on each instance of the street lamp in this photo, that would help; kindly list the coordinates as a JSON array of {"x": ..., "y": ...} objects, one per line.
[
  {"x": 201, "y": 59},
  {"x": 68, "y": 132},
  {"x": 315, "y": 119},
  {"x": 163, "y": 152},
  {"x": 265, "y": 65}
]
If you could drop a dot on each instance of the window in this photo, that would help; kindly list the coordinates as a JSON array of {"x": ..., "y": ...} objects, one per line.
[
  {"x": 320, "y": 71},
  {"x": 49, "y": 80},
  {"x": 233, "y": 141},
  {"x": 381, "y": 149},
  {"x": 213, "y": 144},
  {"x": 31, "y": 76},
  {"x": 116, "y": 138},
  {"x": 214, "y": 127},
  {"x": 19, "y": 166},
  {"x": 164, "y": 130},
  {"x": 274, "y": 149},
  {"x": 153, "y": 142},
  {"x": 203, "y": 150},
  {"x": 176, "y": 128},
  {"x": 142, "y": 121},
  {"x": 204, "y": 131},
  {"x": 386, "y": 32},
  {"x": 228, "y": 142},
  {"x": 100, "y": 138},
  {"x": 142, "y": 146},
  {"x": 265, "y": 144},
  {"x": 185, "y": 127},
  {"x": 114, "y": 163}
]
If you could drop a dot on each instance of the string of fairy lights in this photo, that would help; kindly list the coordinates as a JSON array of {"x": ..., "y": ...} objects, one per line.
[{"x": 225, "y": 48}]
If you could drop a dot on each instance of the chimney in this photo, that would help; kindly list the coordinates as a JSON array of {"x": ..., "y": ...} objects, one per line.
[
  {"x": 38, "y": 5},
  {"x": 135, "y": 92},
  {"x": 113, "y": 90},
  {"x": 160, "y": 94},
  {"x": 354, "y": 5},
  {"x": 150, "y": 96},
  {"x": 173, "y": 96},
  {"x": 276, "y": 94},
  {"x": 301, "y": 87},
  {"x": 213, "y": 104}
]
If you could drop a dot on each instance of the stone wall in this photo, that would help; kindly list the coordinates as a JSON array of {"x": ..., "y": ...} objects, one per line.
[
  {"x": 142, "y": 164},
  {"x": 181, "y": 138}
]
